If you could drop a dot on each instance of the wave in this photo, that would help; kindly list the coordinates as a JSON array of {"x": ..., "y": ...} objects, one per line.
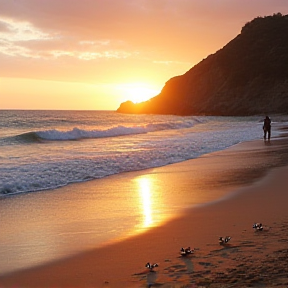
[
  {"x": 29, "y": 137},
  {"x": 52, "y": 168},
  {"x": 78, "y": 134}
]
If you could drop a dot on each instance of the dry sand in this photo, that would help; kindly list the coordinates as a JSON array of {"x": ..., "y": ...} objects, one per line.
[{"x": 250, "y": 259}]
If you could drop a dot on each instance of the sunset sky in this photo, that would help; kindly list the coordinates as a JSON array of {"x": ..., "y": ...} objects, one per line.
[{"x": 95, "y": 54}]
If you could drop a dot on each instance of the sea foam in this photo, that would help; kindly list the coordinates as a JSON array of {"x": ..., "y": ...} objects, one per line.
[{"x": 120, "y": 130}]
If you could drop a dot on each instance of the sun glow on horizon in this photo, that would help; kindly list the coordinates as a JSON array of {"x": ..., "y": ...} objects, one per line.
[{"x": 138, "y": 92}]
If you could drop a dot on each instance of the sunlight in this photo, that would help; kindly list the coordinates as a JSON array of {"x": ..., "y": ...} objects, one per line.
[
  {"x": 144, "y": 185},
  {"x": 138, "y": 92}
]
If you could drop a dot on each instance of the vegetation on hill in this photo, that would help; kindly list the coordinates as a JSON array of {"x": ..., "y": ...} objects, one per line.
[{"x": 248, "y": 76}]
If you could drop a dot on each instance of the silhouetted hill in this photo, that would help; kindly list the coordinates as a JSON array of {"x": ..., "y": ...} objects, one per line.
[{"x": 248, "y": 76}]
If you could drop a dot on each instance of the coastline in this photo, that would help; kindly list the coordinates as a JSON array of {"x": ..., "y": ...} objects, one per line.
[{"x": 255, "y": 197}]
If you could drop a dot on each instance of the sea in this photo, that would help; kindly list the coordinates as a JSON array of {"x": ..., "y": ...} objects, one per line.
[{"x": 42, "y": 152}]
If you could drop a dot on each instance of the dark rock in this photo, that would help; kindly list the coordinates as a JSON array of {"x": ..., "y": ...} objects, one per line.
[{"x": 248, "y": 76}]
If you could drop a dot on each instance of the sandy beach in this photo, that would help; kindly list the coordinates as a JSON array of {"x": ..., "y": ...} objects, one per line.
[{"x": 250, "y": 184}]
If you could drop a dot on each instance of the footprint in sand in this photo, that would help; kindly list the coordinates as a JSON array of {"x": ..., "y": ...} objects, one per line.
[{"x": 205, "y": 264}]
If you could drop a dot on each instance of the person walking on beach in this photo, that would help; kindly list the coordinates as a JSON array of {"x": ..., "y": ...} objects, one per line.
[{"x": 267, "y": 127}]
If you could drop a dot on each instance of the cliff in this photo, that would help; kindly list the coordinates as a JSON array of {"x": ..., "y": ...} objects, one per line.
[{"x": 248, "y": 76}]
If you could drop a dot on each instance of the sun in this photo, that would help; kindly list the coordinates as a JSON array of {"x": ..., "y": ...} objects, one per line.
[{"x": 138, "y": 92}]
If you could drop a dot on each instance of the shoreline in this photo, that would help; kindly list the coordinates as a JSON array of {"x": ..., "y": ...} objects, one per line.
[{"x": 122, "y": 264}]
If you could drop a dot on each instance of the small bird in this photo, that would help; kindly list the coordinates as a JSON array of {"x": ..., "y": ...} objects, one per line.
[
  {"x": 186, "y": 251},
  {"x": 151, "y": 266},
  {"x": 223, "y": 240},
  {"x": 258, "y": 226}
]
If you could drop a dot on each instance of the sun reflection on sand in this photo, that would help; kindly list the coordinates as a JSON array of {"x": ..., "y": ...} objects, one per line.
[
  {"x": 156, "y": 203},
  {"x": 145, "y": 193}
]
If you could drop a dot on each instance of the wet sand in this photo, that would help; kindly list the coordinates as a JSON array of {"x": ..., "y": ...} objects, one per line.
[{"x": 254, "y": 174}]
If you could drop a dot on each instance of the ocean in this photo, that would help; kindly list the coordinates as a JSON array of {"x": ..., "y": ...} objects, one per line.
[
  {"x": 55, "y": 196},
  {"x": 41, "y": 150}
]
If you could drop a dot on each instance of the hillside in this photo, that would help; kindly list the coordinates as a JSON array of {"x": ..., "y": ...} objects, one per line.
[{"x": 248, "y": 76}]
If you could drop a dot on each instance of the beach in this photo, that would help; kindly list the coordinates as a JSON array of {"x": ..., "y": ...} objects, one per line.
[
  {"x": 142, "y": 152},
  {"x": 249, "y": 181}
]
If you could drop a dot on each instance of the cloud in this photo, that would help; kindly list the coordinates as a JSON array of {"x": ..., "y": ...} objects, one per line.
[
  {"x": 13, "y": 33},
  {"x": 23, "y": 39},
  {"x": 21, "y": 31},
  {"x": 78, "y": 33}
]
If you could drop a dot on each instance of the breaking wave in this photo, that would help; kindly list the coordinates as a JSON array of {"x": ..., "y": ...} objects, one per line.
[{"x": 78, "y": 134}]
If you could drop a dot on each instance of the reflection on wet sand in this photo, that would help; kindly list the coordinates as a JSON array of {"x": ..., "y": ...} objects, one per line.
[{"x": 144, "y": 184}]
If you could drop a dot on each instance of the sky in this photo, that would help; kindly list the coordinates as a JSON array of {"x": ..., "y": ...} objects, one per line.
[{"x": 96, "y": 54}]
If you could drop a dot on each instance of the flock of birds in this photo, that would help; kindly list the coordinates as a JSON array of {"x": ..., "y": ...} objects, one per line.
[{"x": 188, "y": 251}]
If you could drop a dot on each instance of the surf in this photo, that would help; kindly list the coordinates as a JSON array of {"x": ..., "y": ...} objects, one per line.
[{"x": 79, "y": 133}]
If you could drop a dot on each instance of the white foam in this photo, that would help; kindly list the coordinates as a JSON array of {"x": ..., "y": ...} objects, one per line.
[{"x": 77, "y": 133}]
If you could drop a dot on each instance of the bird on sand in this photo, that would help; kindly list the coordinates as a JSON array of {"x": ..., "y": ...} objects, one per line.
[
  {"x": 224, "y": 240},
  {"x": 186, "y": 251},
  {"x": 151, "y": 266},
  {"x": 258, "y": 226}
]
